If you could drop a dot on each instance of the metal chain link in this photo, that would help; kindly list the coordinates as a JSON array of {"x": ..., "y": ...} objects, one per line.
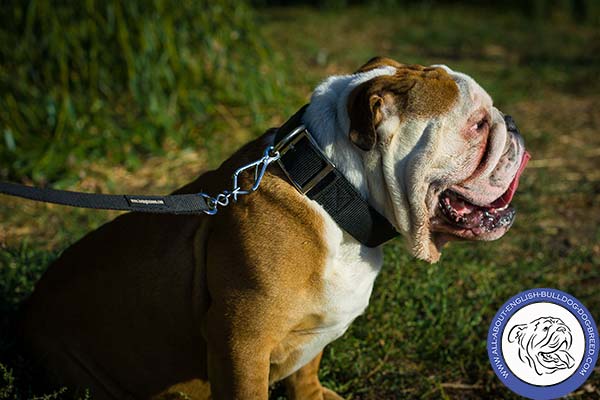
[{"x": 260, "y": 166}]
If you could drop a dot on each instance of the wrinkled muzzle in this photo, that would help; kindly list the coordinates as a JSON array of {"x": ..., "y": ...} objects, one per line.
[
  {"x": 479, "y": 207},
  {"x": 495, "y": 182}
]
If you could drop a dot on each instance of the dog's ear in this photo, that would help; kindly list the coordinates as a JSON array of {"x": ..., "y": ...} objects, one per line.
[
  {"x": 365, "y": 111},
  {"x": 365, "y": 106},
  {"x": 370, "y": 103},
  {"x": 516, "y": 333}
]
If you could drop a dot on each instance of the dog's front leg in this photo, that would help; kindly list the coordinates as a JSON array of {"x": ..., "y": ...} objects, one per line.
[
  {"x": 238, "y": 361},
  {"x": 304, "y": 384}
]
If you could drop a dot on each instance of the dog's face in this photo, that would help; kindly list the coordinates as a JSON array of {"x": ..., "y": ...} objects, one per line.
[
  {"x": 544, "y": 344},
  {"x": 449, "y": 160}
]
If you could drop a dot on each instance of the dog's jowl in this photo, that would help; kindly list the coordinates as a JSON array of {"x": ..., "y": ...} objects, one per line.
[{"x": 152, "y": 306}]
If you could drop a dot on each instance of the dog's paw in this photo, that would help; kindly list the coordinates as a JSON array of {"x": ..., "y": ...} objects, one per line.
[{"x": 331, "y": 395}]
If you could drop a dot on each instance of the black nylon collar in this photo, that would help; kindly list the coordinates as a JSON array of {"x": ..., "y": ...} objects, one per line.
[{"x": 309, "y": 170}]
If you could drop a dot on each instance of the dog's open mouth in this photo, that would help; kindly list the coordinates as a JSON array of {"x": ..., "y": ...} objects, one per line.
[
  {"x": 469, "y": 220},
  {"x": 463, "y": 214}
]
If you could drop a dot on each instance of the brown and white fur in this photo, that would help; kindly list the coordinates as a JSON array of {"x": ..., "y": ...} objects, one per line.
[{"x": 151, "y": 306}]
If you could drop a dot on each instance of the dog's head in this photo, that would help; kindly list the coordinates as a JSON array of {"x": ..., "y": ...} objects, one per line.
[
  {"x": 544, "y": 344},
  {"x": 436, "y": 157}
]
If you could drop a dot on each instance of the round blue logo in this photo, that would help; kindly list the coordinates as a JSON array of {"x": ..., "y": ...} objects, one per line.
[{"x": 542, "y": 344}]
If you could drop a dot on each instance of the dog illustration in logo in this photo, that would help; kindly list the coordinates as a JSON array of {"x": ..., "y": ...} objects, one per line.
[{"x": 544, "y": 344}]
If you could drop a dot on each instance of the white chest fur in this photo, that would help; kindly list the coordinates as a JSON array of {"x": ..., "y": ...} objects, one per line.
[{"x": 348, "y": 278}]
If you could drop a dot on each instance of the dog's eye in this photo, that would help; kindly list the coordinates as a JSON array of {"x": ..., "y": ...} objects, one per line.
[
  {"x": 480, "y": 126},
  {"x": 546, "y": 329}
]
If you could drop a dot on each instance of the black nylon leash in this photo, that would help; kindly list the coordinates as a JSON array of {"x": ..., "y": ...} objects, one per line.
[{"x": 174, "y": 204}]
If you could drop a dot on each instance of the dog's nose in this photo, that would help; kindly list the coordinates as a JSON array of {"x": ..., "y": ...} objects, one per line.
[{"x": 511, "y": 125}]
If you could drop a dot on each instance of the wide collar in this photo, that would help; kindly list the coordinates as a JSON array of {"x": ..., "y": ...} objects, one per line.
[{"x": 315, "y": 176}]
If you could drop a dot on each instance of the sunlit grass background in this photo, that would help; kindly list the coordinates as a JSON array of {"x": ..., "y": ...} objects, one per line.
[{"x": 141, "y": 97}]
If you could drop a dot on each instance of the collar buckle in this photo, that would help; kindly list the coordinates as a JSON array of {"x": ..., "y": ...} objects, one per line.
[{"x": 300, "y": 140}]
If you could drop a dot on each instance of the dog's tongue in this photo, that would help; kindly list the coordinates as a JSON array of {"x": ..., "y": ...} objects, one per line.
[
  {"x": 565, "y": 360},
  {"x": 506, "y": 198}
]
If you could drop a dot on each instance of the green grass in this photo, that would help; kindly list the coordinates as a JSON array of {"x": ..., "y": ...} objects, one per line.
[
  {"x": 121, "y": 80},
  {"x": 423, "y": 335}
]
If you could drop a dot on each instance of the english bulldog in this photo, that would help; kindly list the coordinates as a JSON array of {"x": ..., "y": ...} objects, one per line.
[
  {"x": 544, "y": 344},
  {"x": 155, "y": 306}
]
